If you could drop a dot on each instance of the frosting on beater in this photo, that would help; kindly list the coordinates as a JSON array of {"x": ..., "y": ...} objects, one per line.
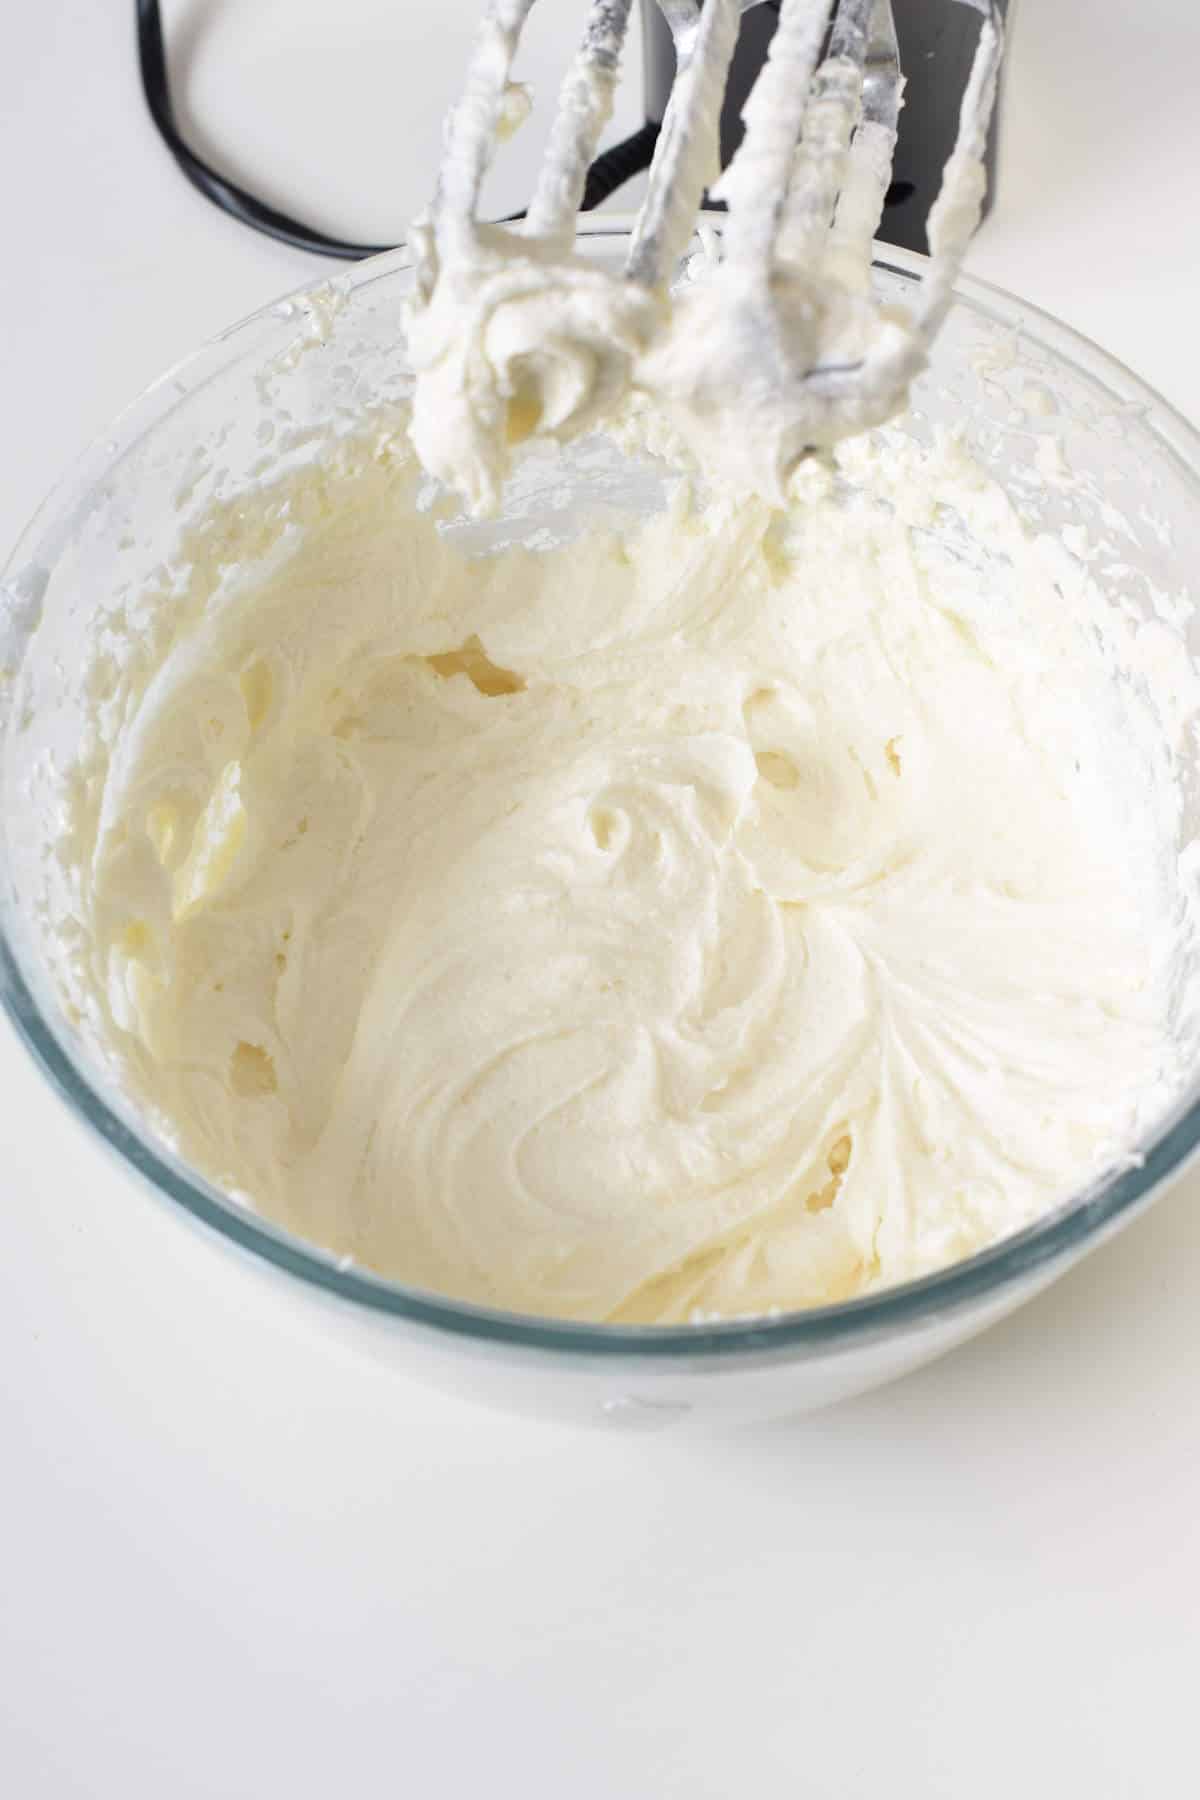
[{"x": 774, "y": 348}]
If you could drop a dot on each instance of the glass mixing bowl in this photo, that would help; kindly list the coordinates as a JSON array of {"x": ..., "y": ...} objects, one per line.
[{"x": 267, "y": 395}]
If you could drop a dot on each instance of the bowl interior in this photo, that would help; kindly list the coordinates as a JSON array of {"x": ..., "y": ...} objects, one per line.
[{"x": 269, "y": 396}]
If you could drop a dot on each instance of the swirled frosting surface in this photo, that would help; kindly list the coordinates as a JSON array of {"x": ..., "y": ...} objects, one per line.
[{"x": 726, "y": 912}]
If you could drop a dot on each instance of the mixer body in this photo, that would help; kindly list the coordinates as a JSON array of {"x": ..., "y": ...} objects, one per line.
[{"x": 937, "y": 40}]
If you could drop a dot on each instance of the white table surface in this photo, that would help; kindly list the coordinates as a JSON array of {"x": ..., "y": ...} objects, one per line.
[{"x": 238, "y": 1560}]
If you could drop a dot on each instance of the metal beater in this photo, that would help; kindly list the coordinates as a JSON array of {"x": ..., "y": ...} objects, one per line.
[{"x": 796, "y": 350}]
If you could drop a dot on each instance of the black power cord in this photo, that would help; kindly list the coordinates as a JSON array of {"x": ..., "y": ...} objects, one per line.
[{"x": 609, "y": 171}]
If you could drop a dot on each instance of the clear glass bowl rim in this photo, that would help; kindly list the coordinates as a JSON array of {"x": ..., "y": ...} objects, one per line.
[{"x": 1052, "y": 1241}]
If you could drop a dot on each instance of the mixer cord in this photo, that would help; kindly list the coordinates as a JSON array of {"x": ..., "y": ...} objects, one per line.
[{"x": 610, "y": 170}]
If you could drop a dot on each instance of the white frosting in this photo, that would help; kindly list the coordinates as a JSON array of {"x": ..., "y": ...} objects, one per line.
[
  {"x": 517, "y": 340},
  {"x": 740, "y": 912}
]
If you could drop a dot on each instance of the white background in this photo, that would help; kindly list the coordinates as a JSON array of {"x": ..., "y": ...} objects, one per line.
[{"x": 237, "y": 1560}]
